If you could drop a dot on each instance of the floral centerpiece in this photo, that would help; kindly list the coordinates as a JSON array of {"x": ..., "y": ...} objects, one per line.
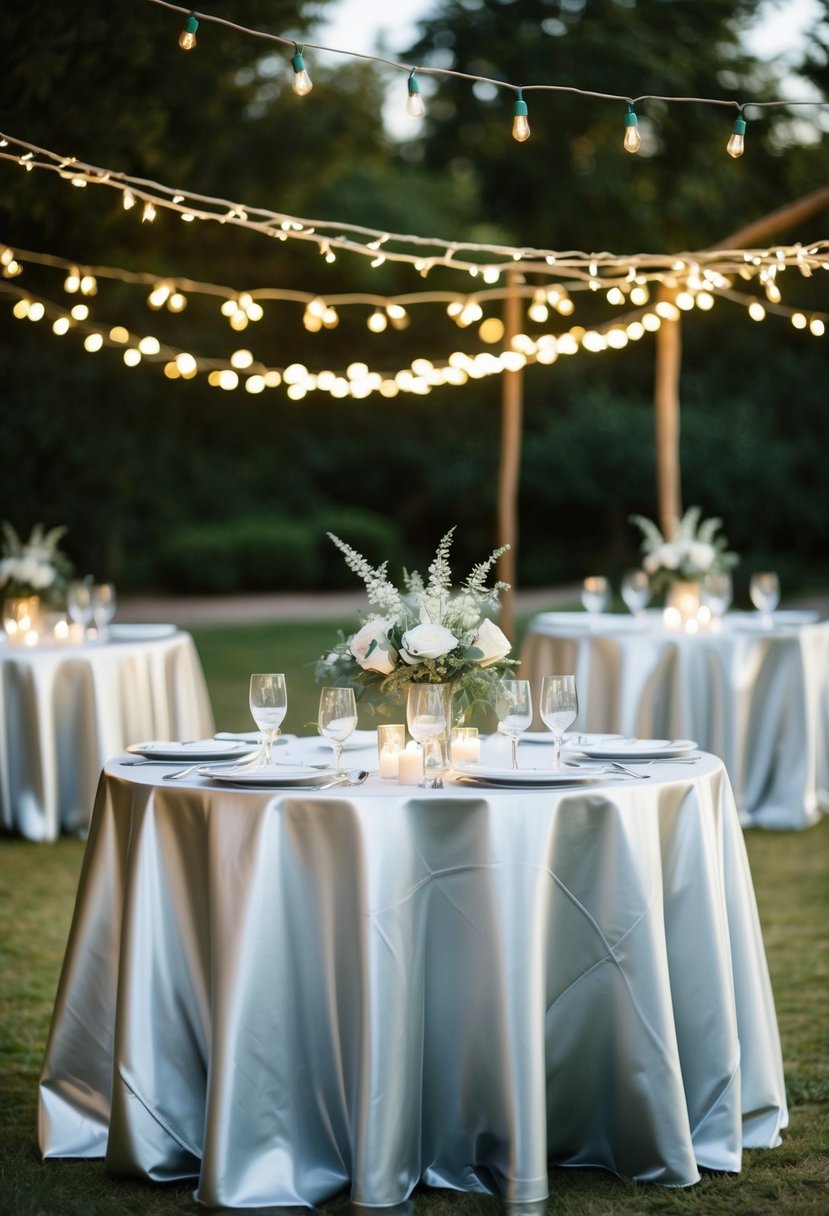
[
  {"x": 426, "y": 633},
  {"x": 694, "y": 550},
  {"x": 35, "y": 567}
]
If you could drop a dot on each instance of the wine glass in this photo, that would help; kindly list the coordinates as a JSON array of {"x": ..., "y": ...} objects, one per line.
[
  {"x": 636, "y": 591},
  {"x": 103, "y": 607},
  {"x": 268, "y": 704},
  {"x": 595, "y": 596},
  {"x": 764, "y": 590},
  {"x": 428, "y": 714},
  {"x": 716, "y": 594},
  {"x": 337, "y": 719},
  {"x": 559, "y": 707},
  {"x": 514, "y": 707},
  {"x": 79, "y": 604}
]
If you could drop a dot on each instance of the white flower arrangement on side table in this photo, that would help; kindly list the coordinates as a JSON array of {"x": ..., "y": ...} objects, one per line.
[
  {"x": 35, "y": 567},
  {"x": 694, "y": 550},
  {"x": 425, "y": 634}
]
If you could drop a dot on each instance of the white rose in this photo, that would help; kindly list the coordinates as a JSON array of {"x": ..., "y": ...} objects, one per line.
[
  {"x": 426, "y": 642},
  {"x": 702, "y": 556},
  {"x": 383, "y": 655},
  {"x": 668, "y": 556},
  {"x": 492, "y": 641}
]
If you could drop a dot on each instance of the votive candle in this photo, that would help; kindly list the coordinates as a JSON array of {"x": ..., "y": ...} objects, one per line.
[{"x": 410, "y": 765}]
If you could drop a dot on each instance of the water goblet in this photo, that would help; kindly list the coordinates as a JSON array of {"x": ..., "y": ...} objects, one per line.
[
  {"x": 559, "y": 707},
  {"x": 636, "y": 591},
  {"x": 337, "y": 720},
  {"x": 268, "y": 705},
  {"x": 428, "y": 714},
  {"x": 514, "y": 707},
  {"x": 103, "y": 607},
  {"x": 595, "y": 597},
  {"x": 716, "y": 594},
  {"x": 79, "y": 605},
  {"x": 764, "y": 590}
]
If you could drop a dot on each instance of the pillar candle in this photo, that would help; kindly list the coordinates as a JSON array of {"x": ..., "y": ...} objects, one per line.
[{"x": 410, "y": 765}]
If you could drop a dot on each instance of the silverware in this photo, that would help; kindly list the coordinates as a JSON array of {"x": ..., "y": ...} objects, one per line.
[{"x": 610, "y": 767}]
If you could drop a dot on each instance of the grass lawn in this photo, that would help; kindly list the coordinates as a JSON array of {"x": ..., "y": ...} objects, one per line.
[{"x": 37, "y": 886}]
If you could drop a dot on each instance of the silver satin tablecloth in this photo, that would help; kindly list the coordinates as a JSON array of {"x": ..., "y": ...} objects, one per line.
[
  {"x": 758, "y": 698},
  {"x": 288, "y": 994},
  {"x": 65, "y": 710}
]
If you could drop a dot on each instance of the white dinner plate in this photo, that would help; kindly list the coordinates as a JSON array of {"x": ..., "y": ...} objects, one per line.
[
  {"x": 634, "y": 749},
  {"x": 356, "y": 741},
  {"x": 568, "y": 739},
  {"x": 252, "y": 737},
  {"x": 487, "y": 774},
  {"x": 271, "y": 774},
  {"x": 198, "y": 749},
  {"x": 139, "y": 633}
]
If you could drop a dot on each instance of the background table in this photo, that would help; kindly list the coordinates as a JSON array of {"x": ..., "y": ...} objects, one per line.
[
  {"x": 285, "y": 994},
  {"x": 65, "y": 710},
  {"x": 756, "y": 696}
]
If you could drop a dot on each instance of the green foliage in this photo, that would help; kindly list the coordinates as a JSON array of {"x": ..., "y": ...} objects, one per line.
[{"x": 240, "y": 555}]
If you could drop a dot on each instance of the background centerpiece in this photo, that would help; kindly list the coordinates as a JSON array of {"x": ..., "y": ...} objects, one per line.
[
  {"x": 679, "y": 565},
  {"x": 427, "y": 633}
]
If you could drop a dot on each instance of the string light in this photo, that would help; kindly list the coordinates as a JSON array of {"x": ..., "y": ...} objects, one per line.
[
  {"x": 520, "y": 120},
  {"x": 736, "y": 144},
  {"x": 187, "y": 37},
  {"x": 301, "y": 83},
  {"x": 425, "y": 253},
  {"x": 633, "y": 140},
  {"x": 414, "y": 103}
]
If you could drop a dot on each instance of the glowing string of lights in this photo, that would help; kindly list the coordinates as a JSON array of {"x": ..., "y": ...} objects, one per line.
[
  {"x": 423, "y": 253},
  {"x": 520, "y": 129}
]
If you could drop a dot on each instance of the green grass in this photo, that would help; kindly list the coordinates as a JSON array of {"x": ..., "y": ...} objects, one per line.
[{"x": 37, "y": 886}]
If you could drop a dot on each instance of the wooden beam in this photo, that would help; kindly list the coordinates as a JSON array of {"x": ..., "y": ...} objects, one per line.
[{"x": 512, "y": 409}]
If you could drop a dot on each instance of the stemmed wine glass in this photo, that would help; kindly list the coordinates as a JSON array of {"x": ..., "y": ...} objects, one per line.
[
  {"x": 428, "y": 714},
  {"x": 79, "y": 604},
  {"x": 595, "y": 596},
  {"x": 559, "y": 707},
  {"x": 103, "y": 602},
  {"x": 764, "y": 590},
  {"x": 636, "y": 591},
  {"x": 716, "y": 594},
  {"x": 514, "y": 707},
  {"x": 337, "y": 719},
  {"x": 268, "y": 704}
]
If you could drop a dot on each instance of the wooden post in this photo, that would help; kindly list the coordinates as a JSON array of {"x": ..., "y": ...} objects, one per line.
[
  {"x": 666, "y": 403},
  {"x": 512, "y": 406},
  {"x": 669, "y": 355}
]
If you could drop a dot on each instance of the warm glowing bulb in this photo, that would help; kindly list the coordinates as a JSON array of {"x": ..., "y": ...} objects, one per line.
[
  {"x": 93, "y": 342},
  {"x": 817, "y": 327},
  {"x": 149, "y": 212},
  {"x": 756, "y": 311},
  {"x": 73, "y": 281},
  {"x": 633, "y": 140},
  {"x": 128, "y": 199},
  {"x": 414, "y": 104},
  {"x": 301, "y": 83},
  {"x": 177, "y": 302},
  {"x": 798, "y": 320},
  {"x": 80, "y": 312},
  {"x": 187, "y": 37},
  {"x": 736, "y": 144},
  {"x": 60, "y": 326},
  {"x": 377, "y": 322},
  {"x": 132, "y": 357},
  {"x": 520, "y": 122},
  {"x": 186, "y": 364}
]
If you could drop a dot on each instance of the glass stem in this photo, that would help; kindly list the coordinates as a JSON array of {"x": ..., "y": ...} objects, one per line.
[
  {"x": 338, "y": 751},
  {"x": 267, "y": 740},
  {"x": 514, "y": 742},
  {"x": 558, "y": 752}
]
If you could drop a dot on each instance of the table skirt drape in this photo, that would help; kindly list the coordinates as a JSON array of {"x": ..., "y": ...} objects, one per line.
[
  {"x": 65, "y": 711},
  {"x": 285, "y": 995},
  {"x": 758, "y": 699}
]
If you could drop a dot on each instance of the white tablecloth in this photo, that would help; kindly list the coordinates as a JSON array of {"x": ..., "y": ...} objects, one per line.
[
  {"x": 65, "y": 710},
  {"x": 288, "y": 994},
  {"x": 757, "y": 697}
]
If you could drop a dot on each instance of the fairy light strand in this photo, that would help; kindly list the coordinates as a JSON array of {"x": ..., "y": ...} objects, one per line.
[{"x": 423, "y": 253}]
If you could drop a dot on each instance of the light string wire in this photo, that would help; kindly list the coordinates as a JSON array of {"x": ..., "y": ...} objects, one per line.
[
  {"x": 180, "y": 283},
  {"x": 423, "y": 70},
  {"x": 329, "y": 235}
]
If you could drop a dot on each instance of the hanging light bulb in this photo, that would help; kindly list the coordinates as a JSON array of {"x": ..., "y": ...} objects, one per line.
[
  {"x": 149, "y": 213},
  {"x": 414, "y": 104},
  {"x": 520, "y": 123},
  {"x": 128, "y": 199},
  {"x": 633, "y": 140},
  {"x": 736, "y": 144},
  {"x": 187, "y": 37},
  {"x": 301, "y": 83}
]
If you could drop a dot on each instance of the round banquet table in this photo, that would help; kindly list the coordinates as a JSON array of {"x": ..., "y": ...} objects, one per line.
[
  {"x": 66, "y": 709},
  {"x": 756, "y": 695},
  {"x": 288, "y": 993}
]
